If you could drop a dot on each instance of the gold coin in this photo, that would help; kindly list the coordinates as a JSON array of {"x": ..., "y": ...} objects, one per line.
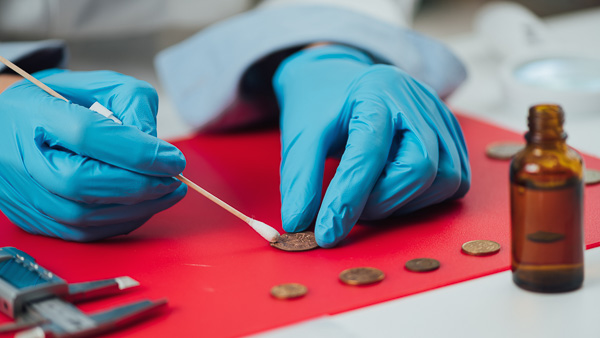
[
  {"x": 422, "y": 264},
  {"x": 288, "y": 291},
  {"x": 591, "y": 176},
  {"x": 545, "y": 237},
  {"x": 503, "y": 150},
  {"x": 361, "y": 276},
  {"x": 299, "y": 241},
  {"x": 480, "y": 248}
]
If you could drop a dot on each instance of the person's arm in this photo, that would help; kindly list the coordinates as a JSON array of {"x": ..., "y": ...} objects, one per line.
[
  {"x": 230, "y": 73},
  {"x": 7, "y": 80}
]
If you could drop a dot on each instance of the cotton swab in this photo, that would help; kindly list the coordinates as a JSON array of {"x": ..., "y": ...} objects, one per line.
[{"x": 261, "y": 228}]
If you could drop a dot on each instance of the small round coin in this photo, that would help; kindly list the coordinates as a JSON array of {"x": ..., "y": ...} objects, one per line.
[
  {"x": 422, "y": 264},
  {"x": 288, "y": 291},
  {"x": 480, "y": 248},
  {"x": 591, "y": 176},
  {"x": 299, "y": 241},
  {"x": 361, "y": 276},
  {"x": 503, "y": 150}
]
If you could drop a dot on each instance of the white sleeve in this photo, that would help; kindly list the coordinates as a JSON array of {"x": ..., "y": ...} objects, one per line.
[
  {"x": 73, "y": 19},
  {"x": 220, "y": 78}
]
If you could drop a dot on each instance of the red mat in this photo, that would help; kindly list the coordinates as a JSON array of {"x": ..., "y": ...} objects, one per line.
[{"x": 217, "y": 273}]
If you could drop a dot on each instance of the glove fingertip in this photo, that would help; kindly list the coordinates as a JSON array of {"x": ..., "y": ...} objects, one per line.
[
  {"x": 332, "y": 228},
  {"x": 180, "y": 162},
  {"x": 180, "y": 192},
  {"x": 173, "y": 158},
  {"x": 326, "y": 239},
  {"x": 294, "y": 222}
]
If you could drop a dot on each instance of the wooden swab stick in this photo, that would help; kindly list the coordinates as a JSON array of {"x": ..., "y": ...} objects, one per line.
[{"x": 263, "y": 229}]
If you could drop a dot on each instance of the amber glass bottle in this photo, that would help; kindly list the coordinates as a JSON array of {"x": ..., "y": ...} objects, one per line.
[{"x": 546, "y": 197}]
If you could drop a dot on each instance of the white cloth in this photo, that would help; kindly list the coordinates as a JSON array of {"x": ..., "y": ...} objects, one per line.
[{"x": 79, "y": 19}]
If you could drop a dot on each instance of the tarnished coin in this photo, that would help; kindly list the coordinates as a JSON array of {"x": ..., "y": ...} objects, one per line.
[
  {"x": 480, "y": 248},
  {"x": 545, "y": 237},
  {"x": 422, "y": 264},
  {"x": 503, "y": 150},
  {"x": 591, "y": 176},
  {"x": 299, "y": 241},
  {"x": 288, "y": 290},
  {"x": 361, "y": 276}
]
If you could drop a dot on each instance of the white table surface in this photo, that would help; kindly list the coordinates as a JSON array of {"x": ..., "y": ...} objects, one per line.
[{"x": 486, "y": 307}]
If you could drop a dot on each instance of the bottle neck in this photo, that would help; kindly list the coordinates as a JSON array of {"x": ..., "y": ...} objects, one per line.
[{"x": 546, "y": 126}]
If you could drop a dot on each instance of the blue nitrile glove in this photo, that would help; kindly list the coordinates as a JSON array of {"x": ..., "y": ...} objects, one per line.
[
  {"x": 401, "y": 148},
  {"x": 71, "y": 173}
]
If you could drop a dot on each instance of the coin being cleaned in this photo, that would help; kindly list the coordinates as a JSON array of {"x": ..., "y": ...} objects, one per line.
[
  {"x": 591, "y": 176},
  {"x": 361, "y": 276},
  {"x": 480, "y": 248},
  {"x": 299, "y": 241},
  {"x": 422, "y": 264},
  {"x": 288, "y": 291},
  {"x": 503, "y": 150}
]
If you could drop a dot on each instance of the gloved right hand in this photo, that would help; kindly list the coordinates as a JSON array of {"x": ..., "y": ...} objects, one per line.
[
  {"x": 401, "y": 148},
  {"x": 71, "y": 173}
]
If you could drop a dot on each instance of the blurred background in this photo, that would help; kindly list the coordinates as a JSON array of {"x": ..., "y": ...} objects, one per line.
[
  {"x": 444, "y": 18},
  {"x": 451, "y": 21}
]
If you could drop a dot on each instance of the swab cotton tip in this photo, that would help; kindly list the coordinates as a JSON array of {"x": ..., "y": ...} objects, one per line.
[{"x": 264, "y": 230}]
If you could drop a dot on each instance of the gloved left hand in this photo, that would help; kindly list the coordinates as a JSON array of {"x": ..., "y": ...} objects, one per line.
[
  {"x": 402, "y": 149},
  {"x": 71, "y": 173}
]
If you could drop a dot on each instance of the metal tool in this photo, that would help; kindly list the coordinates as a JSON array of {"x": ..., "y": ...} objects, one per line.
[{"x": 35, "y": 297}]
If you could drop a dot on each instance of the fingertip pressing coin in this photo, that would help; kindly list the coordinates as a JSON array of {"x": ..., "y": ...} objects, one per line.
[
  {"x": 503, "y": 150},
  {"x": 480, "y": 248},
  {"x": 361, "y": 276},
  {"x": 288, "y": 291},
  {"x": 298, "y": 241},
  {"x": 422, "y": 264}
]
